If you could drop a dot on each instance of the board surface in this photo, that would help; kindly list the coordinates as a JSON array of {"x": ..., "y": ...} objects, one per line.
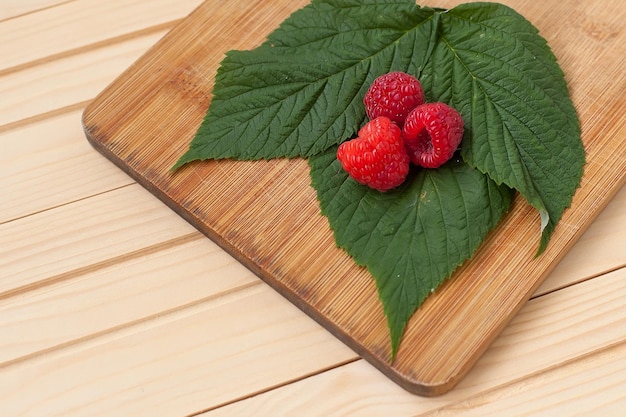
[{"x": 266, "y": 214}]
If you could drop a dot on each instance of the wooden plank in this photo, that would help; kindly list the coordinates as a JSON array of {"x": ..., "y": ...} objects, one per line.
[
  {"x": 97, "y": 22},
  {"x": 177, "y": 363},
  {"x": 176, "y": 271},
  {"x": 48, "y": 164},
  {"x": 66, "y": 81},
  {"x": 46, "y": 321},
  {"x": 266, "y": 214},
  {"x": 548, "y": 333},
  {"x": 232, "y": 348},
  {"x": 64, "y": 168},
  {"x": 590, "y": 386},
  {"x": 117, "y": 296},
  {"x": 51, "y": 245},
  {"x": 599, "y": 250},
  {"x": 14, "y": 8}
]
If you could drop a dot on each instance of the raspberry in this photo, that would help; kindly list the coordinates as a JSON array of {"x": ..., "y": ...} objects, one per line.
[
  {"x": 377, "y": 157},
  {"x": 432, "y": 132},
  {"x": 393, "y": 95}
]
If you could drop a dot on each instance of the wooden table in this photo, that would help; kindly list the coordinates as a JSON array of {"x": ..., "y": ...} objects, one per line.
[{"x": 111, "y": 304}]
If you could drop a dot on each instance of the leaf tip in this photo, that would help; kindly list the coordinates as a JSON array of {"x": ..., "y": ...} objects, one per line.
[
  {"x": 395, "y": 332},
  {"x": 177, "y": 165},
  {"x": 187, "y": 157}
]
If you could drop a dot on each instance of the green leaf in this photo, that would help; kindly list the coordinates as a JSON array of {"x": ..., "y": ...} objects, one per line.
[
  {"x": 300, "y": 94},
  {"x": 411, "y": 238},
  {"x": 521, "y": 126},
  {"x": 302, "y": 90}
]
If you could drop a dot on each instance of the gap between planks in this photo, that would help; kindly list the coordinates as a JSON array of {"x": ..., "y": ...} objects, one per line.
[
  {"x": 58, "y": 241},
  {"x": 277, "y": 386},
  {"x": 136, "y": 326},
  {"x": 29, "y": 95},
  {"x": 121, "y": 293},
  {"x": 549, "y": 377},
  {"x": 195, "y": 341},
  {"x": 65, "y": 203},
  {"x": 28, "y": 8},
  {"x": 74, "y": 273},
  {"x": 41, "y": 117},
  {"x": 90, "y": 47},
  {"x": 196, "y": 236},
  {"x": 498, "y": 370},
  {"x": 579, "y": 281},
  {"x": 61, "y": 168},
  {"x": 49, "y": 34},
  {"x": 503, "y": 392}
]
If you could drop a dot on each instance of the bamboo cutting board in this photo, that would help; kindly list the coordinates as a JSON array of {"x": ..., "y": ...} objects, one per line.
[{"x": 266, "y": 214}]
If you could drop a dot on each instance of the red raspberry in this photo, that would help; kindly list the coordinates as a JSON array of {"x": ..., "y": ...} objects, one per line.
[
  {"x": 432, "y": 133},
  {"x": 393, "y": 95},
  {"x": 377, "y": 157}
]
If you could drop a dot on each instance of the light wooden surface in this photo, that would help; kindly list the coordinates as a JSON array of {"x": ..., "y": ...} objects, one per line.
[
  {"x": 265, "y": 213},
  {"x": 111, "y": 304}
]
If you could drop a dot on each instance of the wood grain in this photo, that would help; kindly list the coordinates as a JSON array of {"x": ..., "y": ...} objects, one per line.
[
  {"x": 23, "y": 45},
  {"x": 35, "y": 248},
  {"x": 557, "y": 391},
  {"x": 169, "y": 363},
  {"x": 520, "y": 358},
  {"x": 71, "y": 169},
  {"x": 35, "y": 90},
  {"x": 14, "y": 8},
  {"x": 266, "y": 215},
  {"x": 587, "y": 259},
  {"x": 160, "y": 281}
]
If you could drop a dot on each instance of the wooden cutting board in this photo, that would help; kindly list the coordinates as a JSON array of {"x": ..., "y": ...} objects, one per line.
[{"x": 266, "y": 214}]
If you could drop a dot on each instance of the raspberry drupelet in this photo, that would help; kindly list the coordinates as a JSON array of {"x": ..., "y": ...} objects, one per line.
[
  {"x": 432, "y": 133},
  {"x": 393, "y": 95},
  {"x": 377, "y": 157}
]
